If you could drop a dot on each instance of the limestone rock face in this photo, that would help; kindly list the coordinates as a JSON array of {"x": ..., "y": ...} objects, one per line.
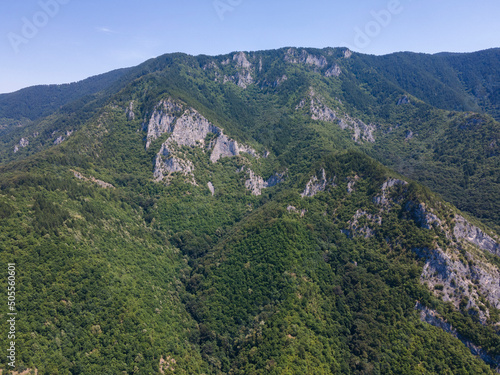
[
  {"x": 166, "y": 163},
  {"x": 225, "y": 147},
  {"x": 315, "y": 185},
  {"x": 243, "y": 77},
  {"x": 464, "y": 230},
  {"x": 460, "y": 273},
  {"x": 433, "y": 318},
  {"x": 458, "y": 279},
  {"x": 130, "y": 111},
  {"x": 319, "y": 111},
  {"x": 101, "y": 183},
  {"x": 366, "y": 230},
  {"x": 256, "y": 183},
  {"x": 303, "y": 57},
  {"x": 162, "y": 119},
  {"x": 241, "y": 60},
  {"x": 334, "y": 71},
  {"x": 422, "y": 216},
  {"x": 404, "y": 100},
  {"x": 187, "y": 128},
  {"x": 191, "y": 129},
  {"x": 211, "y": 188},
  {"x": 384, "y": 199},
  {"x": 24, "y": 142}
]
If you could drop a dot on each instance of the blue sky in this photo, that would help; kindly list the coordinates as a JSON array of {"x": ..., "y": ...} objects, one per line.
[{"x": 59, "y": 41}]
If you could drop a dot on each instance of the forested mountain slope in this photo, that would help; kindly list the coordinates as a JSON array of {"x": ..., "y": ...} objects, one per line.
[{"x": 226, "y": 215}]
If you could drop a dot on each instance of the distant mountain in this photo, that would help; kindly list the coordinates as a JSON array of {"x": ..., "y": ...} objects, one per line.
[
  {"x": 452, "y": 81},
  {"x": 289, "y": 211},
  {"x": 38, "y": 101}
]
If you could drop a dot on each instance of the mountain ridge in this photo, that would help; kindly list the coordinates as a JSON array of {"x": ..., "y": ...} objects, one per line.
[{"x": 336, "y": 266}]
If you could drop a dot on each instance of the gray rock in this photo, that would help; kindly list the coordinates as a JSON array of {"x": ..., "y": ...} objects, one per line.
[
  {"x": 130, "y": 111},
  {"x": 421, "y": 215},
  {"x": 225, "y": 147},
  {"x": 162, "y": 119},
  {"x": 433, "y": 318},
  {"x": 294, "y": 57},
  {"x": 241, "y": 60},
  {"x": 334, "y": 71},
  {"x": 409, "y": 135},
  {"x": 191, "y": 129},
  {"x": 24, "y": 142},
  {"x": 384, "y": 199},
  {"x": 319, "y": 111},
  {"x": 211, "y": 188},
  {"x": 256, "y": 183},
  {"x": 461, "y": 279},
  {"x": 404, "y": 100},
  {"x": 295, "y": 210},
  {"x": 187, "y": 128},
  {"x": 101, "y": 183},
  {"x": 367, "y": 230},
  {"x": 166, "y": 164},
  {"x": 315, "y": 185},
  {"x": 464, "y": 230},
  {"x": 244, "y": 79}
]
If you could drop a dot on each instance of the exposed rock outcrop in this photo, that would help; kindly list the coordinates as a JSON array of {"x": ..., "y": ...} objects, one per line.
[
  {"x": 351, "y": 182},
  {"x": 295, "y": 210},
  {"x": 334, "y": 71},
  {"x": 243, "y": 77},
  {"x": 315, "y": 185},
  {"x": 319, "y": 111},
  {"x": 256, "y": 183},
  {"x": 241, "y": 60},
  {"x": 458, "y": 273},
  {"x": 101, "y": 183},
  {"x": 225, "y": 147},
  {"x": 403, "y": 100},
  {"x": 24, "y": 142},
  {"x": 363, "y": 224},
  {"x": 130, "y": 111},
  {"x": 464, "y": 230},
  {"x": 461, "y": 281},
  {"x": 166, "y": 163},
  {"x": 409, "y": 135},
  {"x": 162, "y": 119},
  {"x": 384, "y": 198},
  {"x": 433, "y": 318},
  {"x": 293, "y": 56},
  {"x": 423, "y": 217},
  {"x": 211, "y": 188},
  {"x": 187, "y": 128},
  {"x": 62, "y": 138}
]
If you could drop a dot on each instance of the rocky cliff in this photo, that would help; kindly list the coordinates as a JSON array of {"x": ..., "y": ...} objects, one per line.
[
  {"x": 360, "y": 131},
  {"x": 186, "y": 127}
]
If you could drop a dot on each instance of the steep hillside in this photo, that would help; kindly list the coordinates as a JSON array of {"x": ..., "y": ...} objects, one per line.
[
  {"x": 452, "y": 81},
  {"x": 220, "y": 215},
  {"x": 35, "y": 102},
  {"x": 333, "y": 96}
]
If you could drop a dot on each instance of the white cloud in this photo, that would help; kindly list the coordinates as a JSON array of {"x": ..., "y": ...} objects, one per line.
[{"x": 105, "y": 30}]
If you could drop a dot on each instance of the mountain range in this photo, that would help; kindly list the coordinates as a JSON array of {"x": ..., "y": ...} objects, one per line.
[{"x": 294, "y": 211}]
